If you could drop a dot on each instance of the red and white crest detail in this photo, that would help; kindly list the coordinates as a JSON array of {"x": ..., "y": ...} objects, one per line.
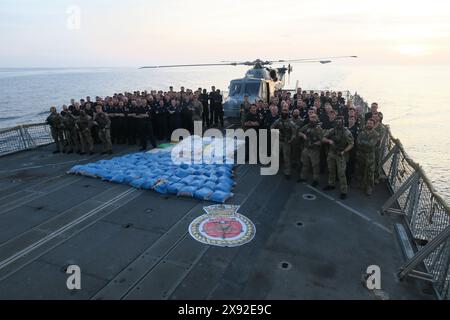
[{"x": 222, "y": 226}]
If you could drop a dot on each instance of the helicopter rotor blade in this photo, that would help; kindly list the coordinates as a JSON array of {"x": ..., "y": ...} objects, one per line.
[
  {"x": 315, "y": 59},
  {"x": 192, "y": 65},
  {"x": 251, "y": 63}
]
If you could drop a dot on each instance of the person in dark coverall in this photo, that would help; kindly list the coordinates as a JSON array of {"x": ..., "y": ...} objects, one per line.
[
  {"x": 161, "y": 121},
  {"x": 212, "y": 106},
  {"x": 175, "y": 121},
  {"x": 145, "y": 127},
  {"x": 186, "y": 115},
  {"x": 218, "y": 116},
  {"x": 132, "y": 123},
  {"x": 204, "y": 97}
]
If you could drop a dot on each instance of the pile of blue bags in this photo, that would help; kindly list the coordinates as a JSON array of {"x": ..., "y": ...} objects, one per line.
[{"x": 156, "y": 171}]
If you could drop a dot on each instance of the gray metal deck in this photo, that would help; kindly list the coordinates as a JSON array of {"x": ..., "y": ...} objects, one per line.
[{"x": 133, "y": 244}]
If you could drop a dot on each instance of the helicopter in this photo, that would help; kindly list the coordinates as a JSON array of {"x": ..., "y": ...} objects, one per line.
[{"x": 259, "y": 83}]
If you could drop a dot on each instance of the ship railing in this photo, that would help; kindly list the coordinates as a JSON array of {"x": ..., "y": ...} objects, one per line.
[
  {"x": 24, "y": 137},
  {"x": 424, "y": 231}
]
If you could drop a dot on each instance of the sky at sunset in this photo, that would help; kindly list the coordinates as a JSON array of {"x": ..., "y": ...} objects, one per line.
[{"x": 101, "y": 33}]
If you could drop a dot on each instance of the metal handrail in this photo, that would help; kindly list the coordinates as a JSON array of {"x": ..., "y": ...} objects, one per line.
[
  {"x": 425, "y": 213},
  {"x": 24, "y": 137},
  {"x": 417, "y": 168}
]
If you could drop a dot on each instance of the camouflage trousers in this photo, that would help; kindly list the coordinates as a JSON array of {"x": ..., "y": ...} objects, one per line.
[
  {"x": 297, "y": 148},
  {"x": 337, "y": 166},
  {"x": 105, "y": 138},
  {"x": 285, "y": 152},
  {"x": 311, "y": 158},
  {"x": 87, "y": 145},
  {"x": 365, "y": 169},
  {"x": 58, "y": 137},
  {"x": 72, "y": 140},
  {"x": 377, "y": 163}
]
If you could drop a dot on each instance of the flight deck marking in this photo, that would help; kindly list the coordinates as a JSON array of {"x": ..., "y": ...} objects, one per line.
[
  {"x": 4, "y": 209},
  {"x": 354, "y": 211},
  {"x": 139, "y": 278},
  {"x": 222, "y": 226},
  {"x": 55, "y": 218},
  {"x": 63, "y": 229},
  {"x": 43, "y": 166}
]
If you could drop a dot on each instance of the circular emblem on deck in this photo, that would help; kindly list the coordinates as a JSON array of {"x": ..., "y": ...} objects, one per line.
[{"x": 222, "y": 226}]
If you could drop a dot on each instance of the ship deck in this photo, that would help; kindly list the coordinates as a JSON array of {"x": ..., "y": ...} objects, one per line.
[{"x": 134, "y": 244}]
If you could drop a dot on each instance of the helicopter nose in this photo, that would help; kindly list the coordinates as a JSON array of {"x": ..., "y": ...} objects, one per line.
[{"x": 231, "y": 109}]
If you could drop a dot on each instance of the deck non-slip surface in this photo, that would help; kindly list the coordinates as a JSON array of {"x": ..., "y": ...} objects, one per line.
[{"x": 133, "y": 244}]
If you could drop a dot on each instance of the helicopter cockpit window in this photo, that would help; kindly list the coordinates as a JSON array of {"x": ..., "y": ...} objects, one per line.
[
  {"x": 235, "y": 88},
  {"x": 252, "y": 88}
]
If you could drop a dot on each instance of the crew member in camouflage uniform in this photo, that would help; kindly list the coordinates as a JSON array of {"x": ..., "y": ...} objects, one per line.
[
  {"x": 84, "y": 125},
  {"x": 297, "y": 144},
  {"x": 287, "y": 134},
  {"x": 380, "y": 128},
  {"x": 197, "y": 109},
  {"x": 341, "y": 142},
  {"x": 71, "y": 133},
  {"x": 103, "y": 123},
  {"x": 244, "y": 109},
  {"x": 55, "y": 121},
  {"x": 365, "y": 156},
  {"x": 312, "y": 133}
]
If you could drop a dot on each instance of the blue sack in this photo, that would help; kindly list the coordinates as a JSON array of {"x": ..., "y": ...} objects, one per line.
[
  {"x": 182, "y": 173},
  {"x": 223, "y": 187},
  {"x": 203, "y": 194},
  {"x": 187, "y": 191},
  {"x": 101, "y": 173},
  {"x": 173, "y": 179},
  {"x": 188, "y": 180},
  {"x": 108, "y": 176},
  {"x": 158, "y": 172},
  {"x": 76, "y": 169},
  {"x": 120, "y": 178},
  {"x": 89, "y": 172},
  {"x": 138, "y": 183},
  {"x": 210, "y": 185},
  {"x": 149, "y": 183},
  {"x": 175, "y": 187},
  {"x": 220, "y": 197},
  {"x": 199, "y": 183},
  {"x": 225, "y": 180},
  {"x": 161, "y": 187}
]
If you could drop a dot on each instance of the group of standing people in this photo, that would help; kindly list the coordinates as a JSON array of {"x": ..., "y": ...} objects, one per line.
[
  {"x": 133, "y": 118},
  {"x": 318, "y": 132},
  {"x": 321, "y": 132}
]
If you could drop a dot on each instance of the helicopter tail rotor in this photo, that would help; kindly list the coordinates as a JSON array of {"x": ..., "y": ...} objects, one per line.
[{"x": 289, "y": 73}]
